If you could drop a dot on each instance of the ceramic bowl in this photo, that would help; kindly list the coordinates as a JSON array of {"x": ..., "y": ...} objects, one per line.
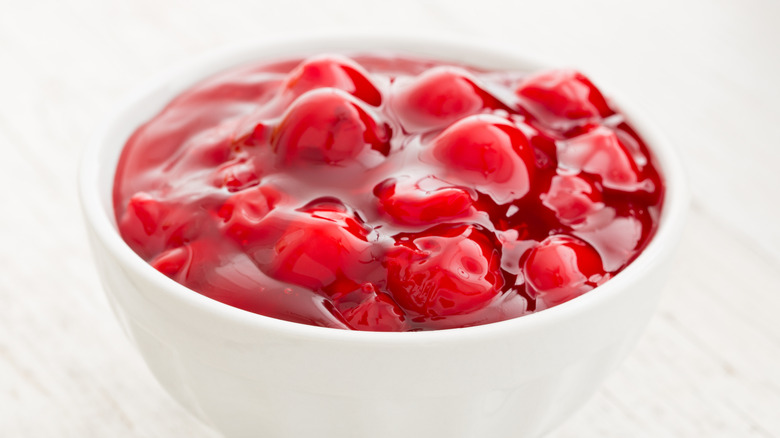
[{"x": 247, "y": 375}]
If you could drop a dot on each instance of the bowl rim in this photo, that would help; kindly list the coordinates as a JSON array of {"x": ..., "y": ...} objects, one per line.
[{"x": 671, "y": 221}]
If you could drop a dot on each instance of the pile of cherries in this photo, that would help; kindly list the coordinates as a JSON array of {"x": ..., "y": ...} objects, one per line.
[{"x": 388, "y": 193}]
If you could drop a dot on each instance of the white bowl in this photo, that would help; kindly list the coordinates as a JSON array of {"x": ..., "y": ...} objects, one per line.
[{"x": 248, "y": 375}]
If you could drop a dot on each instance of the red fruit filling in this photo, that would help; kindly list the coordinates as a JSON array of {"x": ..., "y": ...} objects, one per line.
[
  {"x": 561, "y": 268},
  {"x": 438, "y": 97},
  {"x": 444, "y": 271},
  {"x": 327, "y": 126},
  {"x": 561, "y": 95},
  {"x": 572, "y": 198},
  {"x": 387, "y": 193},
  {"x": 326, "y": 250},
  {"x": 425, "y": 202},
  {"x": 487, "y": 153},
  {"x": 332, "y": 72},
  {"x": 375, "y": 311},
  {"x": 601, "y": 154}
]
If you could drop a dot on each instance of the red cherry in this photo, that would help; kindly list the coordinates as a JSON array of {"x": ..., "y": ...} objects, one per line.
[
  {"x": 375, "y": 312},
  {"x": 320, "y": 249},
  {"x": 327, "y": 126},
  {"x": 572, "y": 198},
  {"x": 411, "y": 204},
  {"x": 561, "y": 268},
  {"x": 332, "y": 71},
  {"x": 599, "y": 152},
  {"x": 444, "y": 271},
  {"x": 562, "y": 94},
  {"x": 489, "y": 153},
  {"x": 436, "y": 98}
]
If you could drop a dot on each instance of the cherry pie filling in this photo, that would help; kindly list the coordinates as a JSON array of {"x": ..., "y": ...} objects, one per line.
[{"x": 388, "y": 193}]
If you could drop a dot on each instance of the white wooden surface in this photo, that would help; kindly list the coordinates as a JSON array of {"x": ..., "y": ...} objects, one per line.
[{"x": 706, "y": 70}]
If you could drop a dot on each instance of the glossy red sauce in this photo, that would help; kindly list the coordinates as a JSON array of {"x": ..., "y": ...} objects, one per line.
[{"x": 388, "y": 193}]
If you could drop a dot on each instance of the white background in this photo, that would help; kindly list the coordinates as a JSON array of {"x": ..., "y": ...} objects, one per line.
[{"x": 707, "y": 71}]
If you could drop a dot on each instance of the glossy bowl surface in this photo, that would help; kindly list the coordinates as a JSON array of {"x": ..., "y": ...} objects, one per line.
[{"x": 248, "y": 375}]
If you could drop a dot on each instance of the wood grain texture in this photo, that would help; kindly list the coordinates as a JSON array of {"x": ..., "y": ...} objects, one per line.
[{"x": 709, "y": 364}]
